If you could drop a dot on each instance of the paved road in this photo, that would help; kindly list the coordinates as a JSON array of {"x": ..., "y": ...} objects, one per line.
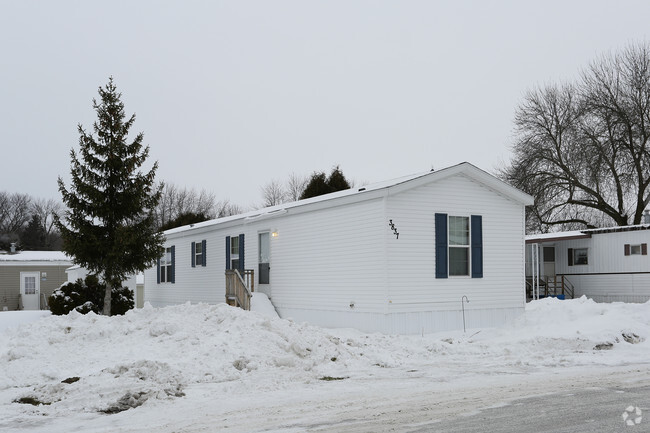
[
  {"x": 568, "y": 401},
  {"x": 586, "y": 411}
]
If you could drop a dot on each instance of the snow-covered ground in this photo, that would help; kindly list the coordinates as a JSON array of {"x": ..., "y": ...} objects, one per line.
[{"x": 213, "y": 367}]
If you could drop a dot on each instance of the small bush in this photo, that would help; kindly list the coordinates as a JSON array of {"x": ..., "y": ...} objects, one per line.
[
  {"x": 88, "y": 295},
  {"x": 121, "y": 300}
]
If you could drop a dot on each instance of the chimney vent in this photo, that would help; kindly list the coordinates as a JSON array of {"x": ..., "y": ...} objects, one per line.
[
  {"x": 13, "y": 248},
  {"x": 646, "y": 217}
]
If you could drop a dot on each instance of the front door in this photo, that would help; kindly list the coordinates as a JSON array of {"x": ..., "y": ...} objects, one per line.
[
  {"x": 549, "y": 262},
  {"x": 30, "y": 290},
  {"x": 264, "y": 258}
]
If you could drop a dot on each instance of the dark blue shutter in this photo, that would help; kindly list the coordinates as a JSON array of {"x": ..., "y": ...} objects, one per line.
[
  {"x": 173, "y": 278},
  {"x": 203, "y": 250},
  {"x": 570, "y": 256},
  {"x": 477, "y": 246},
  {"x": 227, "y": 252},
  {"x": 441, "y": 245},
  {"x": 241, "y": 252},
  {"x": 193, "y": 254},
  {"x": 158, "y": 272}
]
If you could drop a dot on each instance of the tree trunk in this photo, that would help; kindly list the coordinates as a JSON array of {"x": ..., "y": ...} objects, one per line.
[{"x": 107, "y": 299}]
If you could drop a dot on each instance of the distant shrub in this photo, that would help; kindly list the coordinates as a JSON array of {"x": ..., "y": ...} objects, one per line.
[
  {"x": 88, "y": 295},
  {"x": 121, "y": 300}
]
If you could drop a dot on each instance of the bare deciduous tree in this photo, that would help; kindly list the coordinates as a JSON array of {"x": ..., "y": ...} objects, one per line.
[
  {"x": 18, "y": 210},
  {"x": 296, "y": 186},
  {"x": 14, "y": 211},
  {"x": 46, "y": 209},
  {"x": 582, "y": 149},
  {"x": 176, "y": 201},
  {"x": 224, "y": 208},
  {"x": 273, "y": 194}
]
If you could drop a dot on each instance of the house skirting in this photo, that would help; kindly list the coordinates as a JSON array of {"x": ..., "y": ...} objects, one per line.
[
  {"x": 612, "y": 287},
  {"x": 404, "y": 323}
]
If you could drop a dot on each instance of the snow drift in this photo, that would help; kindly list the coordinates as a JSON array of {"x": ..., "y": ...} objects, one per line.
[{"x": 63, "y": 365}]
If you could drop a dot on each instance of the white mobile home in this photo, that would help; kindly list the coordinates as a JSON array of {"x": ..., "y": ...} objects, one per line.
[
  {"x": 605, "y": 264},
  {"x": 397, "y": 257}
]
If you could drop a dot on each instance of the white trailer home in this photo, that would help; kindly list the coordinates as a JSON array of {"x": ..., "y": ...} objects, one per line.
[
  {"x": 402, "y": 256},
  {"x": 605, "y": 264}
]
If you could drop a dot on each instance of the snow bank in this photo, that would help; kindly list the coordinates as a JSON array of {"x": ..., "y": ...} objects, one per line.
[
  {"x": 15, "y": 318},
  {"x": 156, "y": 353},
  {"x": 574, "y": 332},
  {"x": 96, "y": 364},
  {"x": 260, "y": 303}
]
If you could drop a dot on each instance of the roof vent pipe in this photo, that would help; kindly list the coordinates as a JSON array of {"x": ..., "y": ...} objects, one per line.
[
  {"x": 13, "y": 248},
  {"x": 646, "y": 216}
]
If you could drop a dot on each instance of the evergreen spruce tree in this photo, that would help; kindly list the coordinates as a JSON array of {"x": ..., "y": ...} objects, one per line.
[
  {"x": 316, "y": 186},
  {"x": 109, "y": 227},
  {"x": 320, "y": 184},
  {"x": 337, "y": 181},
  {"x": 184, "y": 219},
  {"x": 34, "y": 237}
]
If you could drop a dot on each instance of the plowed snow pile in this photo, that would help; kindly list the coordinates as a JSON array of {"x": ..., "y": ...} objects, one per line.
[{"x": 61, "y": 366}]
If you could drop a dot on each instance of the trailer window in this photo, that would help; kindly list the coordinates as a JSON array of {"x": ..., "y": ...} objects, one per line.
[
  {"x": 458, "y": 245},
  {"x": 580, "y": 256}
]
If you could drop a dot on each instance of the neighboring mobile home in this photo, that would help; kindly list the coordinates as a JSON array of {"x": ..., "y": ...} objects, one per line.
[
  {"x": 134, "y": 282},
  {"x": 606, "y": 264},
  {"x": 28, "y": 278},
  {"x": 396, "y": 257}
]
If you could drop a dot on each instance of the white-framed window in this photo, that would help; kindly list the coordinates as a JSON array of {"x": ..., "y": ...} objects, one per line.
[
  {"x": 30, "y": 285},
  {"x": 459, "y": 247},
  {"x": 198, "y": 253},
  {"x": 636, "y": 249},
  {"x": 166, "y": 266},
  {"x": 234, "y": 245},
  {"x": 234, "y": 252},
  {"x": 580, "y": 256}
]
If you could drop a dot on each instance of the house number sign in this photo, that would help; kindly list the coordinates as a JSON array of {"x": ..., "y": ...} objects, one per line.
[{"x": 393, "y": 228}]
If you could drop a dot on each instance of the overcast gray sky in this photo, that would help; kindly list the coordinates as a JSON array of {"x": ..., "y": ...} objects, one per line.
[{"x": 232, "y": 94}]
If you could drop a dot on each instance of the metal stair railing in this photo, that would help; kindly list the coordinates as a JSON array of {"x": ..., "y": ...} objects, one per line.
[{"x": 559, "y": 285}]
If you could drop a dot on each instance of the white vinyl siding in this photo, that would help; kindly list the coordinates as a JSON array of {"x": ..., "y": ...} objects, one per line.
[
  {"x": 331, "y": 258},
  {"x": 310, "y": 262},
  {"x": 340, "y": 262},
  {"x": 412, "y": 282}
]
